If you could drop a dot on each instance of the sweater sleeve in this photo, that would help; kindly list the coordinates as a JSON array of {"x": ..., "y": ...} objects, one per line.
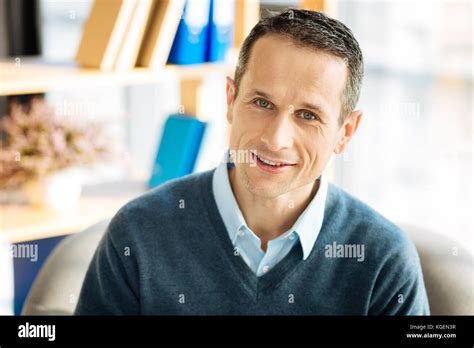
[
  {"x": 399, "y": 288},
  {"x": 110, "y": 286}
]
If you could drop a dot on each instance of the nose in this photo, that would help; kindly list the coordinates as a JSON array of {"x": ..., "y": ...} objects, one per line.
[{"x": 278, "y": 133}]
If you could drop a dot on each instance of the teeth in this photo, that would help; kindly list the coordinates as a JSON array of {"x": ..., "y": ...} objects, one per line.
[{"x": 269, "y": 162}]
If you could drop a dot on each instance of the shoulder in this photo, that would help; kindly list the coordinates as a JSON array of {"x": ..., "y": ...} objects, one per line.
[
  {"x": 165, "y": 204},
  {"x": 176, "y": 189},
  {"x": 363, "y": 224}
]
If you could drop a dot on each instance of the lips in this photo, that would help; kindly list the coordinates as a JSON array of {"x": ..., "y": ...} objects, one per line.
[
  {"x": 272, "y": 167},
  {"x": 271, "y": 161},
  {"x": 273, "y": 164}
]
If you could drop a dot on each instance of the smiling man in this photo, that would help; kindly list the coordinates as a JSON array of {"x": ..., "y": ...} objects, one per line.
[{"x": 268, "y": 235}]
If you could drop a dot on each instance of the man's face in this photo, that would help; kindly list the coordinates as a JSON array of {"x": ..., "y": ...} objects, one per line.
[{"x": 286, "y": 111}]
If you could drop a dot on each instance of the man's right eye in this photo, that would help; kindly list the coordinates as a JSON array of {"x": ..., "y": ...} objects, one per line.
[{"x": 262, "y": 103}]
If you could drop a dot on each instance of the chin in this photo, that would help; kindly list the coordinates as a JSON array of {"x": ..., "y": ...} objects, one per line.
[{"x": 263, "y": 185}]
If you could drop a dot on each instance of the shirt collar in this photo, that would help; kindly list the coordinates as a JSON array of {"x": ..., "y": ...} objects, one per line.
[
  {"x": 225, "y": 199},
  {"x": 307, "y": 226}
]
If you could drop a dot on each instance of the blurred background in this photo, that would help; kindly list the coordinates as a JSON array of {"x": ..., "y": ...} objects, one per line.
[{"x": 411, "y": 159}]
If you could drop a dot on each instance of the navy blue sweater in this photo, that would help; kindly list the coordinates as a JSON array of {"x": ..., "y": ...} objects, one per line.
[{"x": 167, "y": 252}]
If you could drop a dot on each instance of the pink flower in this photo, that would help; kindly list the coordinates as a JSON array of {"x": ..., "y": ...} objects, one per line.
[{"x": 34, "y": 142}]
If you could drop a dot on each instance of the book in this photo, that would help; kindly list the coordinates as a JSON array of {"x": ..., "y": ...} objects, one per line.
[
  {"x": 190, "y": 42},
  {"x": 179, "y": 147},
  {"x": 160, "y": 32},
  {"x": 104, "y": 30},
  {"x": 130, "y": 46},
  {"x": 249, "y": 13},
  {"x": 221, "y": 29}
]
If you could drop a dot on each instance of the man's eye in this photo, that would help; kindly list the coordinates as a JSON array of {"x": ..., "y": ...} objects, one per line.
[
  {"x": 308, "y": 116},
  {"x": 263, "y": 103}
]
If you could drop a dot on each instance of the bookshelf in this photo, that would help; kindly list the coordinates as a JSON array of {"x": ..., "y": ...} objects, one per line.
[
  {"x": 33, "y": 75},
  {"x": 29, "y": 75},
  {"x": 22, "y": 222}
]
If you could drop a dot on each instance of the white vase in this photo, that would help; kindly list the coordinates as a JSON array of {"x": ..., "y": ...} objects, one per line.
[{"x": 59, "y": 191}]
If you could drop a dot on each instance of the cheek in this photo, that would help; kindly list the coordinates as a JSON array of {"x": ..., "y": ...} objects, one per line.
[
  {"x": 239, "y": 132},
  {"x": 245, "y": 127},
  {"x": 316, "y": 150}
]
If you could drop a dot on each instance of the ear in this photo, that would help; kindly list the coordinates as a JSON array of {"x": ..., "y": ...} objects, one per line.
[
  {"x": 347, "y": 130},
  {"x": 230, "y": 91}
]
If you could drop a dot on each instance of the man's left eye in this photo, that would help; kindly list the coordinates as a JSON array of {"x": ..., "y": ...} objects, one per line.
[
  {"x": 263, "y": 103},
  {"x": 308, "y": 116}
]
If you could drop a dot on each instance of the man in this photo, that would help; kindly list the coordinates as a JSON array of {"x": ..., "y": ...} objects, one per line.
[{"x": 265, "y": 234}]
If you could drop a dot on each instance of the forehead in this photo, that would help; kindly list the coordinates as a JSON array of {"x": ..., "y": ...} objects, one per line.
[{"x": 283, "y": 68}]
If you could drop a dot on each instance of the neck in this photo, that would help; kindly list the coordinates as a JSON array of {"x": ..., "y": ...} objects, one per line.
[{"x": 270, "y": 217}]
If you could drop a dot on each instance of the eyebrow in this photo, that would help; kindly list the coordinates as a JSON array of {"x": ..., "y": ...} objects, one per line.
[
  {"x": 319, "y": 110},
  {"x": 259, "y": 93}
]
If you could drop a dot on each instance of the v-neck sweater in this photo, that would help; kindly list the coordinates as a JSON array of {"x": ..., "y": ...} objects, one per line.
[{"x": 167, "y": 252}]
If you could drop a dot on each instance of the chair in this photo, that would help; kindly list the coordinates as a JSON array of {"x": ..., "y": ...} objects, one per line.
[
  {"x": 6, "y": 279},
  {"x": 448, "y": 271},
  {"x": 448, "y": 278},
  {"x": 55, "y": 290}
]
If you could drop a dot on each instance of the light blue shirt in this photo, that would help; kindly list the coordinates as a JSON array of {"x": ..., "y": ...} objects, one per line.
[{"x": 246, "y": 243}]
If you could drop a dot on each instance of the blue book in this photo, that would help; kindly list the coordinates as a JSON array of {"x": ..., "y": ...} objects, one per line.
[
  {"x": 178, "y": 150},
  {"x": 190, "y": 43},
  {"x": 221, "y": 29}
]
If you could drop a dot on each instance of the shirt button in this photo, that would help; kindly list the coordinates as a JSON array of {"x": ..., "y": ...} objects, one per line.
[
  {"x": 291, "y": 237},
  {"x": 266, "y": 268},
  {"x": 241, "y": 233}
]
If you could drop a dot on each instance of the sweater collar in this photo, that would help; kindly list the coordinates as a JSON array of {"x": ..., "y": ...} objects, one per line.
[{"x": 307, "y": 226}]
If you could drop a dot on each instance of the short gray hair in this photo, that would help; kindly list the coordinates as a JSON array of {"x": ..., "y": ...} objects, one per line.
[{"x": 314, "y": 30}]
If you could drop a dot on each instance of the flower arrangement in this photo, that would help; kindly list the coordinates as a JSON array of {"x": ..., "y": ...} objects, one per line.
[{"x": 36, "y": 142}]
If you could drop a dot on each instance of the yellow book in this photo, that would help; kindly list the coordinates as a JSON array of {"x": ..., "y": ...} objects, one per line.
[
  {"x": 103, "y": 33},
  {"x": 130, "y": 48},
  {"x": 160, "y": 33}
]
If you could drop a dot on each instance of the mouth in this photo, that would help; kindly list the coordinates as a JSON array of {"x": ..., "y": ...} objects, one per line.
[{"x": 271, "y": 166}]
